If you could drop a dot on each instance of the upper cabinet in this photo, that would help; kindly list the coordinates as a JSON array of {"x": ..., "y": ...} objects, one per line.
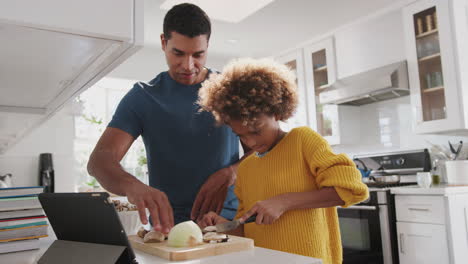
[
  {"x": 436, "y": 40},
  {"x": 295, "y": 62},
  {"x": 52, "y": 50},
  {"x": 320, "y": 73},
  {"x": 369, "y": 44}
]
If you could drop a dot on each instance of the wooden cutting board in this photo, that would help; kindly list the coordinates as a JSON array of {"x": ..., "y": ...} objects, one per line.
[{"x": 161, "y": 249}]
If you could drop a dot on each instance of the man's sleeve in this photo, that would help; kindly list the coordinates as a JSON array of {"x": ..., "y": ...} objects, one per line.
[{"x": 127, "y": 116}]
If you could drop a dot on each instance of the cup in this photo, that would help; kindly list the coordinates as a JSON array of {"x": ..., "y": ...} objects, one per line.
[
  {"x": 424, "y": 179},
  {"x": 428, "y": 81}
]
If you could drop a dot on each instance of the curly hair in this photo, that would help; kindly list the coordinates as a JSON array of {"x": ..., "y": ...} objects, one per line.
[{"x": 248, "y": 88}]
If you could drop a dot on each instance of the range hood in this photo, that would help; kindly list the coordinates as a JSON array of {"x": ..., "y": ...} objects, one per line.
[{"x": 388, "y": 82}]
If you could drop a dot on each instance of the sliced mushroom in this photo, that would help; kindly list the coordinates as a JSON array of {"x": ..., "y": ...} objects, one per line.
[
  {"x": 154, "y": 237},
  {"x": 213, "y": 237},
  {"x": 142, "y": 232},
  {"x": 209, "y": 229}
]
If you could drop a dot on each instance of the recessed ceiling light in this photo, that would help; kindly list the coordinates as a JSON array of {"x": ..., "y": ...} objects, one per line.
[{"x": 223, "y": 10}]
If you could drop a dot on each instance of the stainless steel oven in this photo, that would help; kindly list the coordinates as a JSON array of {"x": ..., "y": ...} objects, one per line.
[{"x": 368, "y": 229}]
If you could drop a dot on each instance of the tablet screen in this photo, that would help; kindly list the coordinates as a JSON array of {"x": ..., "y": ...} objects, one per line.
[{"x": 85, "y": 217}]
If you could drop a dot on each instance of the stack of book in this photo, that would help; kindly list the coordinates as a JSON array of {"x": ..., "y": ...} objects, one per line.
[{"x": 22, "y": 220}]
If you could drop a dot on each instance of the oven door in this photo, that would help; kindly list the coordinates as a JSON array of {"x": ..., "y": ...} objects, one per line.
[{"x": 361, "y": 234}]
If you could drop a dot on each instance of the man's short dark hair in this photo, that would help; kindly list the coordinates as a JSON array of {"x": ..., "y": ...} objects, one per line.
[{"x": 188, "y": 20}]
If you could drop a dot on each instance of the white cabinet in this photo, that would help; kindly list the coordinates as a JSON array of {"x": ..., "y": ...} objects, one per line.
[
  {"x": 52, "y": 50},
  {"x": 328, "y": 120},
  {"x": 370, "y": 44},
  {"x": 295, "y": 62},
  {"x": 436, "y": 40},
  {"x": 432, "y": 228},
  {"x": 422, "y": 243}
]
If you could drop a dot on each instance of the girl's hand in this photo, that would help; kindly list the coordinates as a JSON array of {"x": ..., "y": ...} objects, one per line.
[
  {"x": 268, "y": 211},
  {"x": 211, "y": 219}
]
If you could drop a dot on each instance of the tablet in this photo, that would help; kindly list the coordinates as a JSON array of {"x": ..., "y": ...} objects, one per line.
[{"x": 86, "y": 217}]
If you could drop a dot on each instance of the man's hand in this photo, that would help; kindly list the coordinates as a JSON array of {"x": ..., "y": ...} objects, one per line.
[
  {"x": 268, "y": 211},
  {"x": 210, "y": 219},
  {"x": 213, "y": 193},
  {"x": 144, "y": 196}
]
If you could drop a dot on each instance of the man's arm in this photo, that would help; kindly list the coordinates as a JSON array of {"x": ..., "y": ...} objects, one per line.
[
  {"x": 104, "y": 162},
  {"x": 214, "y": 191},
  {"x": 104, "y": 165}
]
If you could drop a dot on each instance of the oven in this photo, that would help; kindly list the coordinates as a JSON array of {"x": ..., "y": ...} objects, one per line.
[{"x": 367, "y": 230}]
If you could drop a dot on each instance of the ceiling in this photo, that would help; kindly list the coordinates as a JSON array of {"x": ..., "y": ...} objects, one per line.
[{"x": 279, "y": 26}]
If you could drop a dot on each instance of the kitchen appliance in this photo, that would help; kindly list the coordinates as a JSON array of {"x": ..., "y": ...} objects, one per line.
[
  {"x": 46, "y": 172},
  {"x": 384, "y": 83},
  {"x": 368, "y": 229},
  {"x": 230, "y": 225}
]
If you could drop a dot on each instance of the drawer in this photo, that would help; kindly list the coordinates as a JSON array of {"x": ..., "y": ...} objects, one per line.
[{"x": 420, "y": 209}]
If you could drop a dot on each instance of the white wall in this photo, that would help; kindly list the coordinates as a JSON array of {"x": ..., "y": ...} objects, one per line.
[
  {"x": 150, "y": 61},
  {"x": 53, "y": 136},
  {"x": 387, "y": 126}
]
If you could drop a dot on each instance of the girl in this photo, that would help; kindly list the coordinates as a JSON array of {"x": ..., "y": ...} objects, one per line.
[{"x": 293, "y": 182}]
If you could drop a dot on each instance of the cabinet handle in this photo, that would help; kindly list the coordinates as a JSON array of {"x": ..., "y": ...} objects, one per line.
[
  {"x": 419, "y": 209},
  {"x": 466, "y": 222},
  {"x": 401, "y": 243}
]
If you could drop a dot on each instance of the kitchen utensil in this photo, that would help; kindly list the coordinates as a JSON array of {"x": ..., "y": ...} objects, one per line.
[
  {"x": 161, "y": 249},
  {"x": 455, "y": 152},
  {"x": 365, "y": 172},
  {"x": 227, "y": 226},
  {"x": 387, "y": 179}
]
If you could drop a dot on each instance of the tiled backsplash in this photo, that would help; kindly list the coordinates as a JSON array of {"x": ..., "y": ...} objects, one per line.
[{"x": 387, "y": 126}]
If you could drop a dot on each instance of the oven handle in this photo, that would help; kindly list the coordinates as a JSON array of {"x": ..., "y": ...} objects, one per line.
[
  {"x": 360, "y": 207},
  {"x": 401, "y": 243}
]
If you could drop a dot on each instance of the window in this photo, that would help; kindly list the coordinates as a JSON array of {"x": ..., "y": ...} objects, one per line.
[{"x": 95, "y": 109}]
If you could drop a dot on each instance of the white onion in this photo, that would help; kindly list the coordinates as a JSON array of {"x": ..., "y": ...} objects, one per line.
[{"x": 185, "y": 234}]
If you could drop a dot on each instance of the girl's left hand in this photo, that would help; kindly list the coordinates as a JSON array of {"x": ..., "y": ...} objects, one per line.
[{"x": 268, "y": 211}]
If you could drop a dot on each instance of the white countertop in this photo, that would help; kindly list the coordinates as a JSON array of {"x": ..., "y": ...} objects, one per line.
[
  {"x": 441, "y": 189},
  {"x": 256, "y": 256}
]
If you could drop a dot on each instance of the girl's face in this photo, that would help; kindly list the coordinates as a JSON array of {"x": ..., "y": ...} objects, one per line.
[{"x": 262, "y": 136}]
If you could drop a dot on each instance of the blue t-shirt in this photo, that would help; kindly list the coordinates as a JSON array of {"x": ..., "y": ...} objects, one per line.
[{"x": 183, "y": 145}]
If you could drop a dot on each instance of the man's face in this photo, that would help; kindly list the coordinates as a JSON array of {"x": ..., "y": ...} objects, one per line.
[{"x": 186, "y": 57}]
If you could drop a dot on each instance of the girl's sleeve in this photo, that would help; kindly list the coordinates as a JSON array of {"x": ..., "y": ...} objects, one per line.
[{"x": 333, "y": 170}]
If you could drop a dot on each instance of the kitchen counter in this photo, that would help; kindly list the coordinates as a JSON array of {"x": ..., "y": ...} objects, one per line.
[
  {"x": 441, "y": 189},
  {"x": 256, "y": 256}
]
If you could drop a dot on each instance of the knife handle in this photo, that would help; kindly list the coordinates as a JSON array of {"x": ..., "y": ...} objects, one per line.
[{"x": 251, "y": 219}]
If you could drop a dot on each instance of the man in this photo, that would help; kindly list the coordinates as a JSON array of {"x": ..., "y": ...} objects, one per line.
[{"x": 191, "y": 161}]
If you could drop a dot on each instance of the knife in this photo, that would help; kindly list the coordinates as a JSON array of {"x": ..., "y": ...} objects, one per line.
[{"x": 227, "y": 226}]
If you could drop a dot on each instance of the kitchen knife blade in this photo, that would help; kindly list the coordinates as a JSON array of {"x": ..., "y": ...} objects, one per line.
[{"x": 228, "y": 226}]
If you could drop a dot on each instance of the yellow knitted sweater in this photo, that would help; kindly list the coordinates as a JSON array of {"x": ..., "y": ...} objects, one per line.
[{"x": 302, "y": 161}]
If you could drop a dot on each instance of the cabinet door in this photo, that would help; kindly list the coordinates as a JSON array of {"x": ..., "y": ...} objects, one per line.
[
  {"x": 431, "y": 67},
  {"x": 295, "y": 62},
  {"x": 457, "y": 227},
  {"x": 320, "y": 74},
  {"x": 422, "y": 243}
]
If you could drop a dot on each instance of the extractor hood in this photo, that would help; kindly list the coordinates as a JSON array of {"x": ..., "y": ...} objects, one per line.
[
  {"x": 388, "y": 82},
  {"x": 52, "y": 50}
]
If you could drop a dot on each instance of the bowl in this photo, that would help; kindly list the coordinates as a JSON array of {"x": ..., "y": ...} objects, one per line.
[{"x": 130, "y": 221}]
